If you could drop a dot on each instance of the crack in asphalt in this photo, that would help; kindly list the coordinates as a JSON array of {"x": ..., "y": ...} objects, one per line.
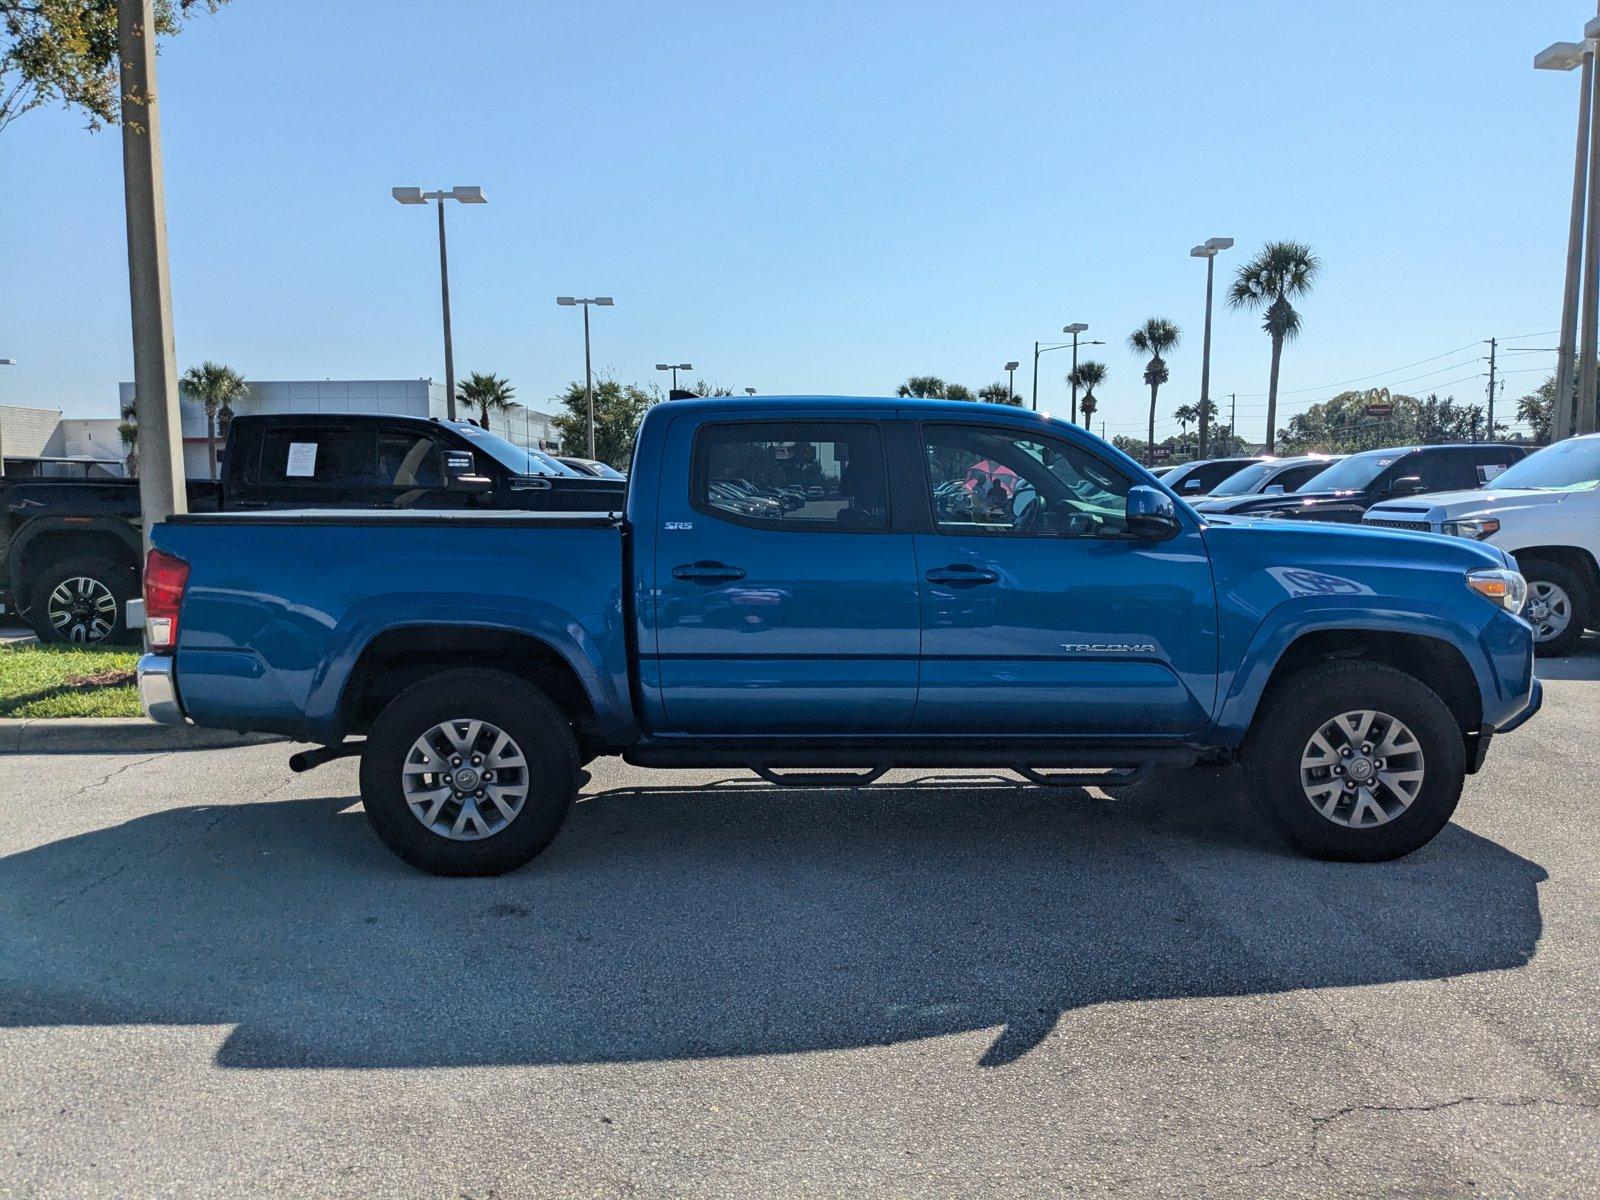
[{"x": 110, "y": 775}]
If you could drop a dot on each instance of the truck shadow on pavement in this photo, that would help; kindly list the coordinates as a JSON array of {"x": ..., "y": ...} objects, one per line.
[{"x": 690, "y": 922}]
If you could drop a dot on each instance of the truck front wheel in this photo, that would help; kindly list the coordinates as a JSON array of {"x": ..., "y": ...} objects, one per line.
[
  {"x": 1355, "y": 761},
  {"x": 469, "y": 772},
  {"x": 1557, "y": 607}
]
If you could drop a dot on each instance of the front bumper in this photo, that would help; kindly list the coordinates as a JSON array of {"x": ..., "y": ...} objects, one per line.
[
  {"x": 1535, "y": 702},
  {"x": 158, "y": 689}
]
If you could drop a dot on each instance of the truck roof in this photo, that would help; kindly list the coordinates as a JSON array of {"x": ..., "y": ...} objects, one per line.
[{"x": 713, "y": 403}]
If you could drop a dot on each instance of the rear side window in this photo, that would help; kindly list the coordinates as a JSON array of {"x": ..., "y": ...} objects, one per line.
[
  {"x": 1444, "y": 470},
  {"x": 798, "y": 475},
  {"x": 317, "y": 455}
]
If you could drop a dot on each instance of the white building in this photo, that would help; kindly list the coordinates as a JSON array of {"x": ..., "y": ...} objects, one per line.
[
  {"x": 34, "y": 433},
  {"x": 398, "y": 397}
]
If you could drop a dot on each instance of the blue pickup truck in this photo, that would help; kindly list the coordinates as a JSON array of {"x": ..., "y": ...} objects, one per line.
[{"x": 821, "y": 589}]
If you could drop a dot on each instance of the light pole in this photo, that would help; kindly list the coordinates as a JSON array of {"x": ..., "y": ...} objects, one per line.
[
  {"x": 588, "y": 372},
  {"x": 749, "y": 391},
  {"x": 1011, "y": 380},
  {"x": 462, "y": 195},
  {"x": 674, "y": 368},
  {"x": 4, "y": 362},
  {"x": 1207, "y": 250},
  {"x": 1043, "y": 348}
]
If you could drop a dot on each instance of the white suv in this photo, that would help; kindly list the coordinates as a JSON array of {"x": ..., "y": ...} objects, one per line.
[{"x": 1545, "y": 511}]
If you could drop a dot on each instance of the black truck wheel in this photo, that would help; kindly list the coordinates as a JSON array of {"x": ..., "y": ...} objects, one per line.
[
  {"x": 1557, "y": 607},
  {"x": 82, "y": 601},
  {"x": 469, "y": 772},
  {"x": 1355, "y": 761}
]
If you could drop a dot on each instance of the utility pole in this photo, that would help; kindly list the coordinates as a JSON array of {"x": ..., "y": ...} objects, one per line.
[
  {"x": 1491, "y": 388},
  {"x": 1589, "y": 325},
  {"x": 155, "y": 364},
  {"x": 1034, "y": 404}
]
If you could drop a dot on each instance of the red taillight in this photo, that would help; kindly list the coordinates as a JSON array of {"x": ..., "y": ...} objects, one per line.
[{"x": 165, "y": 577}]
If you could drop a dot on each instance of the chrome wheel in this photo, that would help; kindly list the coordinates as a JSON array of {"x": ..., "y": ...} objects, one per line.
[
  {"x": 1548, "y": 610},
  {"x": 1362, "y": 769},
  {"x": 81, "y": 609},
  {"x": 465, "y": 780}
]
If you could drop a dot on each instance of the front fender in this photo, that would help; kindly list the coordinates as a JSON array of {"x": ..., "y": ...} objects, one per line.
[{"x": 1295, "y": 618}]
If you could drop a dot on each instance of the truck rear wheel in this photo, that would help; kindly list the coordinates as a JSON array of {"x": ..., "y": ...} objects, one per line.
[
  {"x": 1355, "y": 762},
  {"x": 82, "y": 601},
  {"x": 469, "y": 772}
]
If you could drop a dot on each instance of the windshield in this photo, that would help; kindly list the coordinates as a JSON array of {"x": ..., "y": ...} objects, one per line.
[
  {"x": 514, "y": 458},
  {"x": 1570, "y": 466},
  {"x": 1354, "y": 472},
  {"x": 1242, "y": 482}
]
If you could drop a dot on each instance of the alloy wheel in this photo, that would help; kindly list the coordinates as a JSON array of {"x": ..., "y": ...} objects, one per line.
[
  {"x": 1362, "y": 769},
  {"x": 82, "y": 609},
  {"x": 465, "y": 780},
  {"x": 1548, "y": 610}
]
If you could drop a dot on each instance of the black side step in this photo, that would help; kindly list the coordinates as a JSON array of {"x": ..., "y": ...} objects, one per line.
[
  {"x": 1117, "y": 777},
  {"x": 819, "y": 779}
]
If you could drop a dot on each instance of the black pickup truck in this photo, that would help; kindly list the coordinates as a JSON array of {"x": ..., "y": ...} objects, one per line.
[{"x": 70, "y": 549}]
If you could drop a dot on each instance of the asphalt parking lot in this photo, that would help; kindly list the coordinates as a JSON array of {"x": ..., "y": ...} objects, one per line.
[{"x": 214, "y": 981}]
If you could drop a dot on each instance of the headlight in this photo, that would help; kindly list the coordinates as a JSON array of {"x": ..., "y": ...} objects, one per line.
[
  {"x": 1506, "y": 588},
  {"x": 1477, "y": 528}
]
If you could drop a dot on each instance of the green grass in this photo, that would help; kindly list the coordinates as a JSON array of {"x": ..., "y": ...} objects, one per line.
[{"x": 67, "y": 681}]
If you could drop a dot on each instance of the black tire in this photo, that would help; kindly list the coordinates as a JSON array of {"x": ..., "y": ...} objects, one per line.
[
  {"x": 106, "y": 577},
  {"x": 539, "y": 729},
  {"x": 1298, "y": 707},
  {"x": 1544, "y": 570}
]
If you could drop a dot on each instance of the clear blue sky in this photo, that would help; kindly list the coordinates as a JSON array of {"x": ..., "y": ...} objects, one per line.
[{"x": 817, "y": 197}]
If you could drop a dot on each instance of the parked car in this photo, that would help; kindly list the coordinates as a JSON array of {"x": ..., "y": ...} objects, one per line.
[
  {"x": 70, "y": 549},
  {"x": 476, "y": 661},
  {"x": 1198, "y": 478},
  {"x": 1545, "y": 512},
  {"x": 1269, "y": 477},
  {"x": 590, "y": 466},
  {"x": 1345, "y": 491}
]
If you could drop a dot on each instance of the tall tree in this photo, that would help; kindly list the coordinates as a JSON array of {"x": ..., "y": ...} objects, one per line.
[
  {"x": 1155, "y": 337},
  {"x": 487, "y": 393},
  {"x": 218, "y": 388},
  {"x": 1088, "y": 376},
  {"x": 1279, "y": 273},
  {"x": 66, "y": 51},
  {"x": 923, "y": 387},
  {"x": 958, "y": 391},
  {"x": 1537, "y": 410},
  {"x": 1185, "y": 415},
  {"x": 618, "y": 409}
]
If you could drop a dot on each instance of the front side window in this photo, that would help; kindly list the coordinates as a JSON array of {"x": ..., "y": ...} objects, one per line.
[
  {"x": 803, "y": 475},
  {"x": 409, "y": 460},
  {"x": 991, "y": 481}
]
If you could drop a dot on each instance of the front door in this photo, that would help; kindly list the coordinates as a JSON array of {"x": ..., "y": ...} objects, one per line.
[
  {"x": 784, "y": 602},
  {"x": 1040, "y": 612}
]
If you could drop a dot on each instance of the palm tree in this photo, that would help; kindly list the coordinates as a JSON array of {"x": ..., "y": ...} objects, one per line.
[
  {"x": 1279, "y": 271},
  {"x": 923, "y": 386},
  {"x": 1155, "y": 337},
  {"x": 486, "y": 393},
  {"x": 217, "y": 388},
  {"x": 1088, "y": 376},
  {"x": 1185, "y": 415},
  {"x": 128, "y": 431}
]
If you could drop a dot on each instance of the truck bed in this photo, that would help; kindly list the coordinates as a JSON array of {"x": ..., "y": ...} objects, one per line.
[{"x": 271, "y": 635}]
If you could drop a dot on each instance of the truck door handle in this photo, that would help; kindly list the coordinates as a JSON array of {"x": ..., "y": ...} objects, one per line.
[
  {"x": 706, "y": 571},
  {"x": 962, "y": 573}
]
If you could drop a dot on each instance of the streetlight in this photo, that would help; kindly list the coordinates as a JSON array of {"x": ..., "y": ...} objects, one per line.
[
  {"x": 462, "y": 195},
  {"x": 588, "y": 373},
  {"x": 1011, "y": 380},
  {"x": 1208, "y": 251},
  {"x": 674, "y": 368},
  {"x": 1039, "y": 348}
]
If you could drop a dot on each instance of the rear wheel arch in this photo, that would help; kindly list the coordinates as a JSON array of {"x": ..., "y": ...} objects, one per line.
[
  {"x": 399, "y": 658},
  {"x": 39, "y": 544}
]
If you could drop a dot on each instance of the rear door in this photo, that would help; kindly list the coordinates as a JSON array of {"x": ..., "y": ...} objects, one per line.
[
  {"x": 785, "y": 602},
  {"x": 1040, "y": 613},
  {"x": 315, "y": 464}
]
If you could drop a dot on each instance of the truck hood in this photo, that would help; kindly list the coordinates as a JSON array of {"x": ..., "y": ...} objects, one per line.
[
  {"x": 1360, "y": 553},
  {"x": 1473, "y": 502},
  {"x": 1244, "y": 506}
]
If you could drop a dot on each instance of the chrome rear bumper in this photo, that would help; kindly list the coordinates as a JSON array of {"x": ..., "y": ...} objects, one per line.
[{"x": 158, "y": 689}]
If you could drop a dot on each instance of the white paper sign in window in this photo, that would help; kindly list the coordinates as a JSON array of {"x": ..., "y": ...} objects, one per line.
[
  {"x": 1490, "y": 471},
  {"x": 302, "y": 460}
]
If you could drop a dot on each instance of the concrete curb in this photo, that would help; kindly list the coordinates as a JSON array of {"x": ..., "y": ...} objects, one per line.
[{"x": 115, "y": 735}]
